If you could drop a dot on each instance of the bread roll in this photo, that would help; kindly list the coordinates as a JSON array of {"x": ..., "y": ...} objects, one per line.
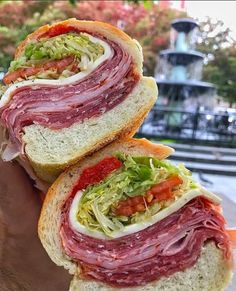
[
  {"x": 210, "y": 270},
  {"x": 73, "y": 87}
]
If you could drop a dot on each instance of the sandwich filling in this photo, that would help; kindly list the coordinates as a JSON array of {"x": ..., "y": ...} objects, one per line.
[
  {"x": 57, "y": 57},
  {"x": 136, "y": 195},
  {"x": 68, "y": 53},
  {"x": 61, "y": 78},
  {"x": 131, "y": 220}
]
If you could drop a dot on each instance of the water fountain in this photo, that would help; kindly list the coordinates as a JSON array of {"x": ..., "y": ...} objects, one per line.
[
  {"x": 184, "y": 109},
  {"x": 179, "y": 70}
]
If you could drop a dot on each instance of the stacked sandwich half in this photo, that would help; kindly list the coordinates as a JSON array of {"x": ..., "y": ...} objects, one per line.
[
  {"x": 73, "y": 87},
  {"x": 122, "y": 217}
]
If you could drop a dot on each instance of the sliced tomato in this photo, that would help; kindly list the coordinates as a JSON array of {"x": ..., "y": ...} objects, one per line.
[
  {"x": 158, "y": 193},
  {"x": 170, "y": 183},
  {"x": 135, "y": 200},
  {"x": 97, "y": 173},
  {"x": 217, "y": 208},
  {"x": 58, "y": 65},
  {"x": 60, "y": 29},
  {"x": 131, "y": 205},
  {"x": 162, "y": 196},
  {"x": 125, "y": 210},
  {"x": 232, "y": 235},
  {"x": 20, "y": 73}
]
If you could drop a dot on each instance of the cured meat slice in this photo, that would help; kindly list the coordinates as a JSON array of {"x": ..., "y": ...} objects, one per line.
[
  {"x": 58, "y": 107},
  {"x": 59, "y": 65},
  {"x": 170, "y": 245},
  {"x": 78, "y": 85}
]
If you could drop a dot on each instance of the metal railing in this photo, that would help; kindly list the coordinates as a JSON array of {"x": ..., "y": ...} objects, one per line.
[{"x": 193, "y": 126}]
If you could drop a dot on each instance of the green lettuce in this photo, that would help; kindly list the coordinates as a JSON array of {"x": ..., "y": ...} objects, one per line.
[
  {"x": 57, "y": 48},
  {"x": 137, "y": 175}
]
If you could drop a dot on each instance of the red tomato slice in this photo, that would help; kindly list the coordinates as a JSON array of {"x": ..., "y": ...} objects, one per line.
[
  {"x": 167, "y": 184},
  {"x": 97, "y": 173},
  {"x": 232, "y": 235},
  {"x": 159, "y": 192},
  {"x": 125, "y": 210},
  {"x": 58, "y": 65},
  {"x": 162, "y": 196}
]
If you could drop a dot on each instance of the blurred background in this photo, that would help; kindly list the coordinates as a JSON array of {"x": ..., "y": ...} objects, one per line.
[{"x": 190, "y": 49}]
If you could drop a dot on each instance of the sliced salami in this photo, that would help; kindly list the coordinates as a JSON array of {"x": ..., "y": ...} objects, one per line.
[{"x": 168, "y": 246}]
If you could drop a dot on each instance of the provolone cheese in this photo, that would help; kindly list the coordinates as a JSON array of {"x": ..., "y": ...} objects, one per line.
[
  {"x": 175, "y": 206},
  {"x": 6, "y": 97}
]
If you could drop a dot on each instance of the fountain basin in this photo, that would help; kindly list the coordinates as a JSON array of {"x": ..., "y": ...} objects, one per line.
[
  {"x": 184, "y": 25},
  {"x": 176, "y": 58},
  {"x": 182, "y": 89}
]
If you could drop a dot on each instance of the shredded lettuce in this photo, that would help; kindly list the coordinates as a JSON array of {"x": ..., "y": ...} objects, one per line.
[
  {"x": 59, "y": 47},
  {"x": 2, "y": 89},
  {"x": 137, "y": 175}
]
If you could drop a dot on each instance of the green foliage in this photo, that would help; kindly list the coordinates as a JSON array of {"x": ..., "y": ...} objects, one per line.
[
  {"x": 221, "y": 71},
  {"x": 220, "y": 50},
  {"x": 73, "y": 2},
  {"x": 17, "y": 20},
  {"x": 146, "y": 3},
  {"x": 142, "y": 20}
]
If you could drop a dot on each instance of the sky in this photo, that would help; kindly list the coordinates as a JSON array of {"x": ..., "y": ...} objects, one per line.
[{"x": 222, "y": 10}]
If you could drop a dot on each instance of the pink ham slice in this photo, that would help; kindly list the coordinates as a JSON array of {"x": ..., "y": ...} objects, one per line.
[
  {"x": 171, "y": 245},
  {"x": 58, "y": 107}
]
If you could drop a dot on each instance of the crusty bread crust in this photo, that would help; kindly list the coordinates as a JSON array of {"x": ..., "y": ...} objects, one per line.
[
  {"x": 105, "y": 29},
  {"x": 47, "y": 170},
  {"x": 211, "y": 272},
  {"x": 49, "y": 222},
  {"x": 120, "y": 122}
]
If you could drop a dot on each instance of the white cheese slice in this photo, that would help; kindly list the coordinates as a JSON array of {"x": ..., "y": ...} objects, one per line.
[
  {"x": 175, "y": 206},
  {"x": 6, "y": 97}
]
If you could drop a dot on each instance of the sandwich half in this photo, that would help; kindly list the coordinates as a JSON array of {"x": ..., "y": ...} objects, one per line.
[
  {"x": 127, "y": 219},
  {"x": 72, "y": 88}
]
